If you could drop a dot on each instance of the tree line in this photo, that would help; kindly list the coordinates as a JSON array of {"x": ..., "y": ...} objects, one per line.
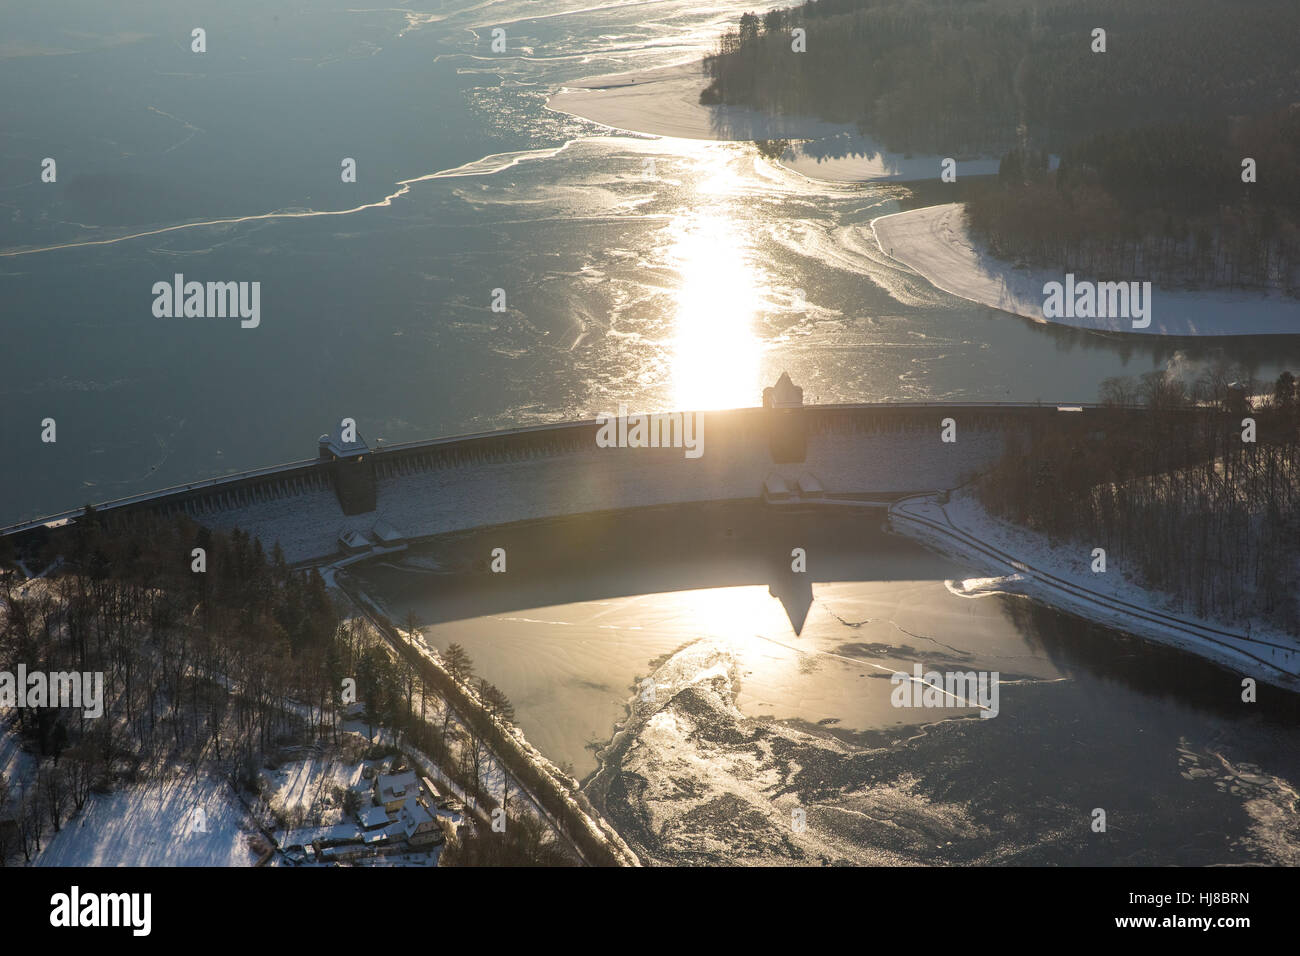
[
  {"x": 1172, "y": 492},
  {"x": 1166, "y": 203},
  {"x": 946, "y": 77},
  {"x": 204, "y": 669}
]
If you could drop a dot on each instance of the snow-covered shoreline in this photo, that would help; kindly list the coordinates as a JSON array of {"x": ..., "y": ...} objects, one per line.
[
  {"x": 1024, "y": 562},
  {"x": 666, "y": 102},
  {"x": 934, "y": 242}
]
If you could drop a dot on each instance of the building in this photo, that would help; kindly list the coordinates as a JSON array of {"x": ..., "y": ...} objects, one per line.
[
  {"x": 775, "y": 488},
  {"x": 351, "y": 467},
  {"x": 810, "y": 487},
  {"x": 373, "y": 818},
  {"x": 418, "y": 824},
  {"x": 386, "y": 535},
  {"x": 339, "y": 444},
  {"x": 353, "y": 541},
  {"x": 784, "y": 394},
  {"x": 392, "y": 790},
  {"x": 450, "y": 814},
  {"x": 787, "y": 441}
]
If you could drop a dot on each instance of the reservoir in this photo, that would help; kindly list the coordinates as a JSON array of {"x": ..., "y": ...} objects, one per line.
[{"x": 666, "y": 274}]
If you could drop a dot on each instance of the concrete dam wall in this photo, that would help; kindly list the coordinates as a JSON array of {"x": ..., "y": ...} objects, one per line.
[
  {"x": 562, "y": 471},
  {"x": 318, "y": 509}
]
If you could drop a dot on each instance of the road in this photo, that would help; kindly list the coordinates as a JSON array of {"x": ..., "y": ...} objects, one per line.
[{"x": 928, "y": 511}]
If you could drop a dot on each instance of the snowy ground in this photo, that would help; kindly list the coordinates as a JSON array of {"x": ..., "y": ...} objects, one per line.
[
  {"x": 157, "y": 825},
  {"x": 666, "y": 102},
  {"x": 934, "y": 242},
  {"x": 302, "y": 792},
  {"x": 1021, "y": 561}
]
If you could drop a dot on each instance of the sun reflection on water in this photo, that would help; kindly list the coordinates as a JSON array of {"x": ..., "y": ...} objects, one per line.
[{"x": 715, "y": 351}]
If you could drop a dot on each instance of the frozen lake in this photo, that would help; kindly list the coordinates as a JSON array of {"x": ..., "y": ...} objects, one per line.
[
  {"x": 664, "y": 273},
  {"x": 591, "y": 608}
]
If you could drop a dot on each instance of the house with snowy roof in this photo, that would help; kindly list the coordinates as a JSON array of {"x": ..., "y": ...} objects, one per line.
[
  {"x": 392, "y": 790},
  {"x": 373, "y": 818},
  {"x": 418, "y": 824}
]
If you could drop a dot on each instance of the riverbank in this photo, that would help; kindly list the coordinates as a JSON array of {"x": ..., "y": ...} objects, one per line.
[
  {"x": 935, "y": 243},
  {"x": 556, "y": 796},
  {"x": 1023, "y": 562},
  {"x": 666, "y": 102}
]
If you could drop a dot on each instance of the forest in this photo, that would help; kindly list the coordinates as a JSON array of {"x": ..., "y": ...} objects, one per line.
[
  {"x": 1151, "y": 134},
  {"x": 1174, "y": 494},
  {"x": 210, "y": 671},
  {"x": 952, "y": 77},
  {"x": 1164, "y": 203}
]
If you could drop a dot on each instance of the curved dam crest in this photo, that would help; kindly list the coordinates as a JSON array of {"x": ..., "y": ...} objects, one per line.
[{"x": 319, "y": 510}]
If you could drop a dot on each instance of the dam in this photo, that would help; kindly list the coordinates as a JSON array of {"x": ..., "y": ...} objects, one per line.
[
  {"x": 353, "y": 498},
  {"x": 353, "y": 501}
]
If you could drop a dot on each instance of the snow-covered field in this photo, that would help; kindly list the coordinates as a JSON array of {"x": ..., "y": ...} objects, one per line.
[
  {"x": 935, "y": 242},
  {"x": 302, "y": 792},
  {"x": 157, "y": 825},
  {"x": 1028, "y": 564}
]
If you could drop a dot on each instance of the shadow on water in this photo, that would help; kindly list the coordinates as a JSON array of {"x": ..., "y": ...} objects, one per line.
[
  {"x": 1081, "y": 648},
  {"x": 744, "y": 543},
  {"x": 650, "y": 551}
]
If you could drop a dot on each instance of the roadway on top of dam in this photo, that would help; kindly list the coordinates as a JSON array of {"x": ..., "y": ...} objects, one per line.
[{"x": 383, "y": 451}]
